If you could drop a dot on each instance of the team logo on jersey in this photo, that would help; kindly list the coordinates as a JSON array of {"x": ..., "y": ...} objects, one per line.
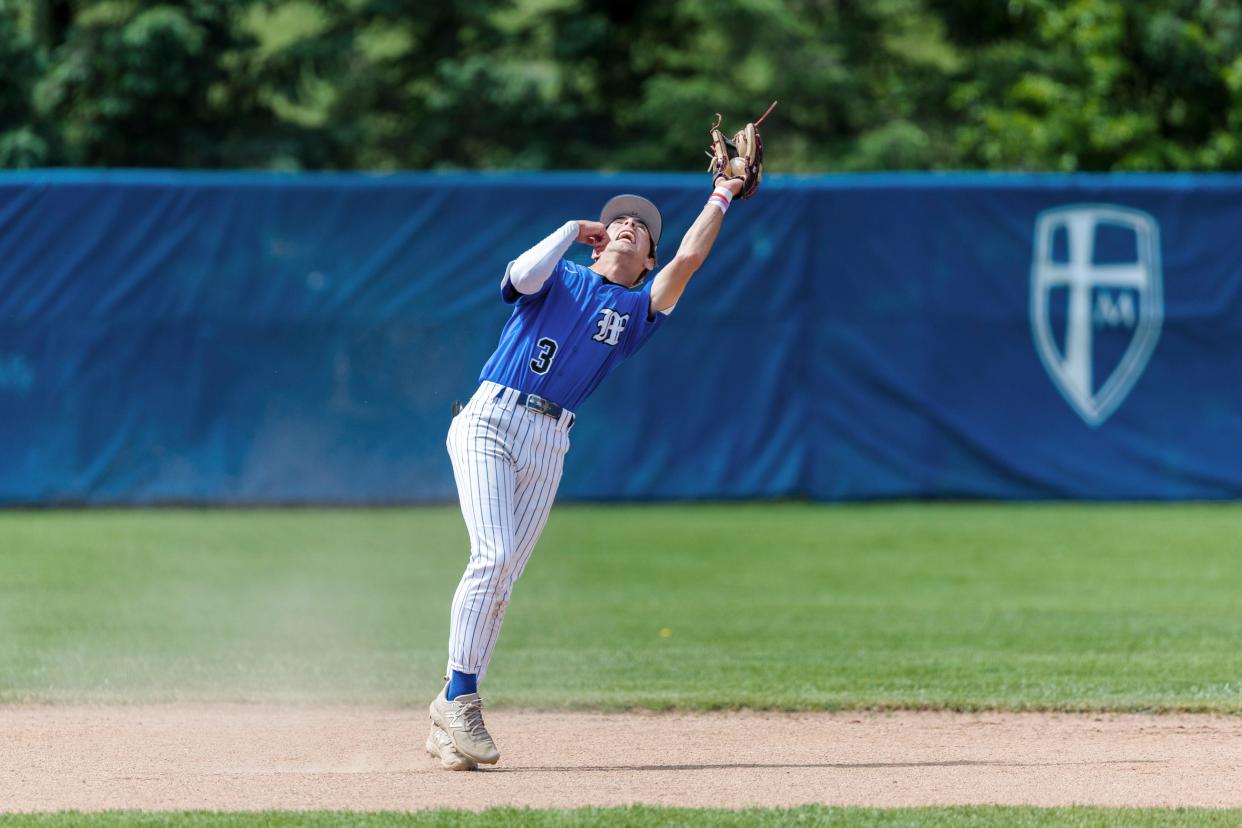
[
  {"x": 610, "y": 325},
  {"x": 1096, "y": 302}
]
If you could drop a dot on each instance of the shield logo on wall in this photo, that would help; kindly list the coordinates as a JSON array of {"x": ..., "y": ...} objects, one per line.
[{"x": 1096, "y": 302}]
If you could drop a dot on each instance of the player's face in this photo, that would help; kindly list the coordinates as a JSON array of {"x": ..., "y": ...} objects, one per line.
[
  {"x": 631, "y": 240},
  {"x": 630, "y": 230}
]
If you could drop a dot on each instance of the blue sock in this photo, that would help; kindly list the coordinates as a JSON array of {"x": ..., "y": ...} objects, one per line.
[{"x": 462, "y": 683}]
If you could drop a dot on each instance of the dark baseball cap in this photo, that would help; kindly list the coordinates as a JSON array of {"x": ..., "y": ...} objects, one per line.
[{"x": 636, "y": 206}]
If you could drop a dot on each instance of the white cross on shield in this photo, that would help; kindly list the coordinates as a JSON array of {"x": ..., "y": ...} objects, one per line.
[{"x": 1095, "y": 291}]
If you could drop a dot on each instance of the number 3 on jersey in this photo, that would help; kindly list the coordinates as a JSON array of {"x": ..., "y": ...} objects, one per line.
[{"x": 547, "y": 352}]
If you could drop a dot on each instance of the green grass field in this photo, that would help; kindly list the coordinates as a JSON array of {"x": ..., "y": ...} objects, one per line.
[{"x": 785, "y": 606}]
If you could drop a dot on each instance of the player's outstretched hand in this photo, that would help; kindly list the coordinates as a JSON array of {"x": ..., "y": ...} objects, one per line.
[
  {"x": 593, "y": 233},
  {"x": 735, "y": 185}
]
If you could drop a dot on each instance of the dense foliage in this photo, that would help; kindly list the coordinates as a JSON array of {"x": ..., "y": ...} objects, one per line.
[{"x": 598, "y": 84}]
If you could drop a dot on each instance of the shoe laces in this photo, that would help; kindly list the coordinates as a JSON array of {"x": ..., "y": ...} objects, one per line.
[{"x": 471, "y": 713}]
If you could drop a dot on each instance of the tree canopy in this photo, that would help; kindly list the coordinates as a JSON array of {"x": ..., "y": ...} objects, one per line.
[{"x": 588, "y": 84}]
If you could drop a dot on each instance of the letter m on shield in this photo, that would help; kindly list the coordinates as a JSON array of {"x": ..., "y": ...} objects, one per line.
[{"x": 1096, "y": 302}]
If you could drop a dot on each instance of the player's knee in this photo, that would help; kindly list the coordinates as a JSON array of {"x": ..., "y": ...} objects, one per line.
[
  {"x": 507, "y": 568},
  {"x": 495, "y": 564}
]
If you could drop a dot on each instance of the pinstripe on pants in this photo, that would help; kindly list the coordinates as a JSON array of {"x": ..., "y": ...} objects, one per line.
[{"x": 507, "y": 462}]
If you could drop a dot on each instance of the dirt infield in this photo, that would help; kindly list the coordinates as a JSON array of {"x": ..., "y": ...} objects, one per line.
[{"x": 250, "y": 757}]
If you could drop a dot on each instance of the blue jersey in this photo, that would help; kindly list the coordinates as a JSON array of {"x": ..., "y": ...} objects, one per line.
[{"x": 562, "y": 341}]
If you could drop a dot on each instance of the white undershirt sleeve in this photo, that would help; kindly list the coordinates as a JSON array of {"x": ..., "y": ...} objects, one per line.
[{"x": 528, "y": 272}]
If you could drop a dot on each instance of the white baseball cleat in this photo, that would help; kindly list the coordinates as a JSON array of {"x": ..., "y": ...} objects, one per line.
[
  {"x": 440, "y": 746},
  {"x": 462, "y": 720}
]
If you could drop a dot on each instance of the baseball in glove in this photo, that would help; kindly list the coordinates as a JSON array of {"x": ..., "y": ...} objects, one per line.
[{"x": 740, "y": 156}]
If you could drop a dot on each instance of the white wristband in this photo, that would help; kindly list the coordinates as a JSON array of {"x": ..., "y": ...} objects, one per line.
[{"x": 720, "y": 198}]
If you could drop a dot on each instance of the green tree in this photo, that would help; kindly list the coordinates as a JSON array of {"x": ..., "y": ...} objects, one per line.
[
  {"x": 480, "y": 83},
  {"x": 588, "y": 84},
  {"x": 596, "y": 84},
  {"x": 175, "y": 84},
  {"x": 1106, "y": 85},
  {"x": 22, "y": 143},
  {"x": 860, "y": 83}
]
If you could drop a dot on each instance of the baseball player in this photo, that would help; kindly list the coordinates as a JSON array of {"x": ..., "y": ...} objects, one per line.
[{"x": 571, "y": 325}]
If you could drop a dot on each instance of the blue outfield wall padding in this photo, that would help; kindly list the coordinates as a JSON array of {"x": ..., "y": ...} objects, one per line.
[{"x": 270, "y": 338}]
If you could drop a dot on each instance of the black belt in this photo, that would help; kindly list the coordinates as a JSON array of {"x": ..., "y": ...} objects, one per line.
[{"x": 539, "y": 405}]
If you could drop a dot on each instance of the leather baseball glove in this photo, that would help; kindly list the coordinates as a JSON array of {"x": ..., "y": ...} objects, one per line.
[{"x": 740, "y": 156}]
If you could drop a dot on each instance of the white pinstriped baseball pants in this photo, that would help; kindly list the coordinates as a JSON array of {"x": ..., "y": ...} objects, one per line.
[{"x": 507, "y": 461}]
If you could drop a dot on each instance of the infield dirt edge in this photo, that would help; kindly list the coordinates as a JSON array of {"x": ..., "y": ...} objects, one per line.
[{"x": 260, "y": 756}]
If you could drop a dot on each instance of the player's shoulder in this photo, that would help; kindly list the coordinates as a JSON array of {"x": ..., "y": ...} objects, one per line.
[
  {"x": 571, "y": 270},
  {"x": 579, "y": 279},
  {"x": 566, "y": 278}
]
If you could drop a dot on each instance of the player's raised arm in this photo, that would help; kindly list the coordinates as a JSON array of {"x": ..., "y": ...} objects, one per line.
[
  {"x": 528, "y": 272},
  {"x": 695, "y": 245},
  {"x": 737, "y": 168}
]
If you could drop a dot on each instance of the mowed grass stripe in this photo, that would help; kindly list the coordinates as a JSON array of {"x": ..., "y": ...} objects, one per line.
[
  {"x": 779, "y": 606},
  {"x": 650, "y": 817}
]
